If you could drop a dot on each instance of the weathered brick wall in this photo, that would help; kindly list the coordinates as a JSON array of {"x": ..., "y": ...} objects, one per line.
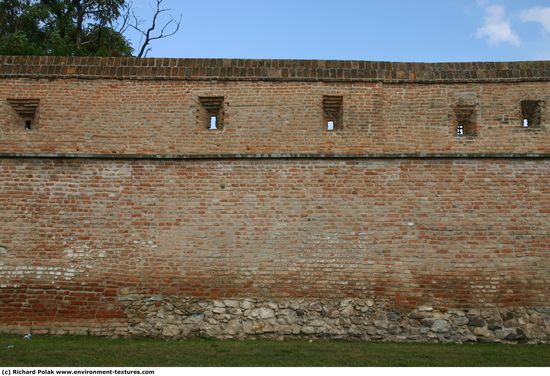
[
  {"x": 120, "y": 205},
  {"x": 144, "y": 117},
  {"x": 118, "y": 106}
]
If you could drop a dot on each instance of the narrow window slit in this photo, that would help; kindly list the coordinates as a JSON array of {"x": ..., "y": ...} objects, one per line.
[
  {"x": 465, "y": 120},
  {"x": 212, "y": 113},
  {"x": 26, "y": 108},
  {"x": 531, "y": 113},
  {"x": 332, "y": 112},
  {"x": 213, "y": 122}
]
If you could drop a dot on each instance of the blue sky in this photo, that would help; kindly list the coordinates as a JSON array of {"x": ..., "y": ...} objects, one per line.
[{"x": 390, "y": 30}]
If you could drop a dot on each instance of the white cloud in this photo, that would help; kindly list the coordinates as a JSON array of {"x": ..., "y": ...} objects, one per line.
[
  {"x": 537, "y": 14},
  {"x": 496, "y": 27}
]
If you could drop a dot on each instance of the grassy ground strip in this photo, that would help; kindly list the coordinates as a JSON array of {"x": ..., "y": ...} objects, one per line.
[{"x": 94, "y": 351}]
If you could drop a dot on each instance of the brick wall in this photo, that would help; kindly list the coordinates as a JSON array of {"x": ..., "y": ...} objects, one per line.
[
  {"x": 164, "y": 117},
  {"x": 119, "y": 189}
]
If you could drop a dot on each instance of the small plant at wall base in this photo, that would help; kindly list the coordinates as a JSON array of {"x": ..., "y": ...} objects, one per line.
[{"x": 79, "y": 27}]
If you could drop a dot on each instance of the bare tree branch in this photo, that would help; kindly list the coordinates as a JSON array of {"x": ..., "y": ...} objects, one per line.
[
  {"x": 148, "y": 35},
  {"x": 122, "y": 26}
]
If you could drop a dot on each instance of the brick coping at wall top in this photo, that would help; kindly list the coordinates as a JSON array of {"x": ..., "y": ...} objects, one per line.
[{"x": 270, "y": 70}]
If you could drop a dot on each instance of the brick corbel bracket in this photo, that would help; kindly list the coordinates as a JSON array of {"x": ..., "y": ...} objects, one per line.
[
  {"x": 26, "y": 108},
  {"x": 212, "y": 105}
]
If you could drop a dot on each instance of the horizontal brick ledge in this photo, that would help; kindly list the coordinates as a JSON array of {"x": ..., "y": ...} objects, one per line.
[
  {"x": 273, "y": 70},
  {"x": 280, "y": 156}
]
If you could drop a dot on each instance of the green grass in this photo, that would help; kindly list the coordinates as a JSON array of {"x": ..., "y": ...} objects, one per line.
[{"x": 95, "y": 351}]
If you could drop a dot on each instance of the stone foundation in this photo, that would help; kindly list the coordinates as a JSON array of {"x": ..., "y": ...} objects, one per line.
[
  {"x": 362, "y": 319},
  {"x": 351, "y": 319}
]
